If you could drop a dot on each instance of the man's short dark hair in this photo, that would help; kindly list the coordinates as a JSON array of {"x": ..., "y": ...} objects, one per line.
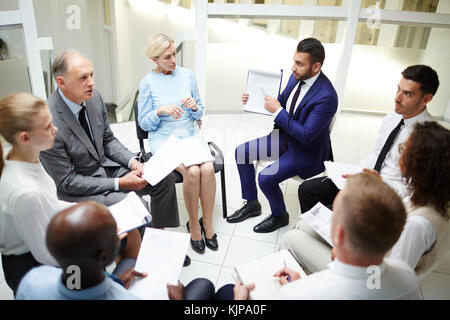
[
  {"x": 315, "y": 49},
  {"x": 426, "y": 76}
]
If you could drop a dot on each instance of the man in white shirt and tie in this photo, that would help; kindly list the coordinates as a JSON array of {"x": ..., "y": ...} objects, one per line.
[
  {"x": 368, "y": 219},
  {"x": 415, "y": 90}
]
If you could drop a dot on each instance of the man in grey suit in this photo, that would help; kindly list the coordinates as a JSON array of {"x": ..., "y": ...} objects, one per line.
[{"x": 87, "y": 162}]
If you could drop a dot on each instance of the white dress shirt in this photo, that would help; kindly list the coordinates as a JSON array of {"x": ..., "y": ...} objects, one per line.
[
  {"x": 308, "y": 83},
  {"x": 390, "y": 169},
  {"x": 397, "y": 281},
  {"x": 418, "y": 237},
  {"x": 28, "y": 201}
]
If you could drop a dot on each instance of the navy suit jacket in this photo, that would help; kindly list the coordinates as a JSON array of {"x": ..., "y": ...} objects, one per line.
[{"x": 308, "y": 131}]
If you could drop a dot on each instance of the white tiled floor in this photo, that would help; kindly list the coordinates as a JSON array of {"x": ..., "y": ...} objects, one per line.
[{"x": 353, "y": 138}]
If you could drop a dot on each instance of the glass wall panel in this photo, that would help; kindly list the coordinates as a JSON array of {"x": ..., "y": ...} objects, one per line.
[
  {"x": 13, "y": 62},
  {"x": 375, "y": 70},
  {"x": 7, "y": 5}
]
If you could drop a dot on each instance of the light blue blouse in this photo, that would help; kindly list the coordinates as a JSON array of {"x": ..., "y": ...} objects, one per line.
[{"x": 158, "y": 89}]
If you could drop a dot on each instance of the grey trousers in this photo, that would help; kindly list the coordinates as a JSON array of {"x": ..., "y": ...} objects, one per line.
[
  {"x": 163, "y": 203},
  {"x": 308, "y": 247}
]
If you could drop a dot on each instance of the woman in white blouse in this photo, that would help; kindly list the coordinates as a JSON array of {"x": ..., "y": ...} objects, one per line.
[
  {"x": 28, "y": 198},
  {"x": 424, "y": 164}
]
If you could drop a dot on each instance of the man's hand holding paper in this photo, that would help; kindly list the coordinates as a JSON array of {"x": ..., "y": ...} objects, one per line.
[{"x": 262, "y": 89}]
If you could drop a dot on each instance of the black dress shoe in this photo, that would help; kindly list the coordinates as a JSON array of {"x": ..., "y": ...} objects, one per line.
[
  {"x": 272, "y": 223},
  {"x": 210, "y": 243},
  {"x": 197, "y": 246},
  {"x": 187, "y": 261},
  {"x": 247, "y": 211}
]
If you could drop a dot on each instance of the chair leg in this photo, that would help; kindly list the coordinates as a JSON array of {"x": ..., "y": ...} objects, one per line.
[{"x": 224, "y": 193}]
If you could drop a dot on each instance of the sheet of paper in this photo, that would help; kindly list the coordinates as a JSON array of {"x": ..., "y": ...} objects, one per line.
[
  {"x": 130, "y": 213},
  {"x": 335, "y": 170},
  {"x": 195, "y": 151},
  {"x": 319, "y": 218},
  {"x": 163, "y": 162},
  {"x": 162, "y": 256},
  {"x": 259, "y": 84},
  {"x": 266, "y": 285}
]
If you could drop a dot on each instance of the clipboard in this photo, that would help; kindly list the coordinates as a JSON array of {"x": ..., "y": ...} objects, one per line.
[{"x": 261, "y": 83}]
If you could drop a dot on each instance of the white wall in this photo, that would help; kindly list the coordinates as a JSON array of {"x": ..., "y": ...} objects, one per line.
[{"x": 51, "y": 21}]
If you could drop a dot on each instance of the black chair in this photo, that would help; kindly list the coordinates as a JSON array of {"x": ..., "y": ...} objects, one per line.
[{"x": 219, "y": 164}]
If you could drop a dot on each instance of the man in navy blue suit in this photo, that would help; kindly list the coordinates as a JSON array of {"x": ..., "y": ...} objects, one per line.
[{"x": 300, "y": 141}]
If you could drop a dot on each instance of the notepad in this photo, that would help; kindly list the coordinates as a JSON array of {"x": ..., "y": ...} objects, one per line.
[
  {"x": 261, "y": 273},
  {"x": 162, "y": 256},
  {"x": 261, "y": 83},
  {"x": 130, "y": 213},
  {"x": 319, "y": 218},
  {"x": 173, "y": 152}
]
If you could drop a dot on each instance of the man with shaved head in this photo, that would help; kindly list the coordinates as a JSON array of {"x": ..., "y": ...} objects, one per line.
[
  {"x": 83, "y": 240},
  {"x": 87, "y": 162}
]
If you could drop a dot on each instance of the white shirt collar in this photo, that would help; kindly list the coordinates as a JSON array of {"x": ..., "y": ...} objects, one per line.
[
  {"x": 309, "y": 82},
  {"x": 351, "y": 271},
  {"x": 423, "y": 116}
]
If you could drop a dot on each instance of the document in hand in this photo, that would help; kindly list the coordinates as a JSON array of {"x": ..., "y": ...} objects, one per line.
[
  {"x": 172, "y": 153},
  {"x": 262, "y": 83},
  {"x": 261, "y": 272},
  {"x": 130, "y": 213},
  {"x": 319, "y": 218},
  {"x": 335, "y": 170},
  {"x": 161, "y": 256}
]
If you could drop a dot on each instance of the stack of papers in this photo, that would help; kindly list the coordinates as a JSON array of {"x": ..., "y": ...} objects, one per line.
[
  {"x": 319, "y": 218},
  {"x": 261, "y": 83},
  {"x": 162, "y": 256},
  {"x": 130, "y": 213},
  {"x": 261, "y": 273},
  {"x": 335, "y": 170},
  {"x": 172, "y": 153}
]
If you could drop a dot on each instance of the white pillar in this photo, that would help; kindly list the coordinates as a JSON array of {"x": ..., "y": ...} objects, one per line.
[
  {"x": 388, "y": 32},
  {"x": 347, "y": 48},
  {"x": 306, "y": 26},
  {"x": 201, "y": 26},
  {"x": 273, "y": 25},
  {"x": 32, "y": 48}
]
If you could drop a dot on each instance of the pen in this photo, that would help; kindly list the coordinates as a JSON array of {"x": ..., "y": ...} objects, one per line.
[{"x": 287, "y": 276}]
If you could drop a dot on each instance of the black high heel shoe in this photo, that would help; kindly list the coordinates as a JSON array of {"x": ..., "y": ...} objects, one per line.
[
  {"x": 210, "y": 243},
  {"x": 197, "y": 246}
]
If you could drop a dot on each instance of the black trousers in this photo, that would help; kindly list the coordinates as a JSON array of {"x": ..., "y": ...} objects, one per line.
[
  {"x": 15, "y": 268},
  {"x": 316, "y": 190}
]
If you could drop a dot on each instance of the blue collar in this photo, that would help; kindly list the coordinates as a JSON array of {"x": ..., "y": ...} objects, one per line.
[
  {"x": 94, "y": 293},
  {"x": 75, "y": 108}
]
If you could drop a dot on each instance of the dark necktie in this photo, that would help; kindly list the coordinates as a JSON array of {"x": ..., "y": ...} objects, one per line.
[
  {"x": 295, "y": 98},
  {"x": 83, "y": 121},
  {"x": 284, "y": 145},
  {"x": 387, "y": 146}
]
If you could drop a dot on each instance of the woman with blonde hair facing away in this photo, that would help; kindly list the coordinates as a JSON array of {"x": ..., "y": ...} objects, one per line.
[
  {"x": 28, "y": 199},
  {"x": 169, "y": 104}
]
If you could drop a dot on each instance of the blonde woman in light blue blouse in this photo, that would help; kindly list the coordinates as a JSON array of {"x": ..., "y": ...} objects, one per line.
[{"x": 169, "y": 104}]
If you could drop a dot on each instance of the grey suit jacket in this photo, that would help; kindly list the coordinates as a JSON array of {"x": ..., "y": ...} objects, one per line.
[{"x": 77, "y": 168}]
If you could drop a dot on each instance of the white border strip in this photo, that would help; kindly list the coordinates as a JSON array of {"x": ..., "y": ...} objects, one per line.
[
  {"x": 8, "y": 18},
  {"x": 246, "y": 11}
]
